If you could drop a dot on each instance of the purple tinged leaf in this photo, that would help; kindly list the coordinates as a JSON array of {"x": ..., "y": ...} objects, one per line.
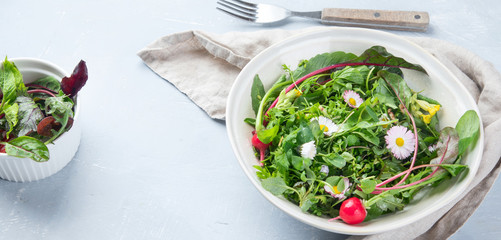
[
  {"x": 378, "y": 55},
  {"x": 447, "y": 146},
  {"x": 29, "y": 115},
  {"x": 72, "y": 85}
]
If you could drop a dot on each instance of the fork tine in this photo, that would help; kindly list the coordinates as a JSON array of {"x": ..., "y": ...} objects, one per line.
[
  {"x": 248, "y": 4},
  {"x": 240, "y": 14},
  {"x": 235, "y": 11},
  {"x": 232, "y": 5}
]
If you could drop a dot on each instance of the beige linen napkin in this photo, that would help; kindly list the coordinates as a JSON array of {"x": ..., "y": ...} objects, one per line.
[{"x": 204, "y": 65}]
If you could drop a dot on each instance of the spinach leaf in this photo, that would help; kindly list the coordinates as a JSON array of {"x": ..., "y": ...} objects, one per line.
[{"x": 468, "y": 129}]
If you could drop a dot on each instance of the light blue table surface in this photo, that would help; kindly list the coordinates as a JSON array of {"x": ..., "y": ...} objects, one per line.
[{"x": 153, "y": 165}]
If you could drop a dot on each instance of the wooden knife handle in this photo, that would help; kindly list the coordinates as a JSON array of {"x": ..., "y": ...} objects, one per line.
[{"x": 382, "y": 19}]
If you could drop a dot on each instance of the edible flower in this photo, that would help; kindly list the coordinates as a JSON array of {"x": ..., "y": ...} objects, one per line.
[
  {"x": 334, "y": 192},
  {"x": 308, "y": 150},
  {"x": 400, "y": 141},
  {"x": 432, "y": 109},
  {"x": 352, "y": 98},
  {"x": 326, "y": 125}
]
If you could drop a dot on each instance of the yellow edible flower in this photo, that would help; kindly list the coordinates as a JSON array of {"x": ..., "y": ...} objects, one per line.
[{"x": 432, "y": 109}]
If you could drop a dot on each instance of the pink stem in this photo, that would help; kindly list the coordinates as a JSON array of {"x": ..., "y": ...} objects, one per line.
[
  {"x": 416, "y": 141},
  {"x": 408, "y": 171},
  {"x": 261, "y": 157},
  {"x": 321, "y": 70},
  {"x": 332, "y": 219},
  {"x": 41, "y": 91},
  {"x": 40, "y": 87}
]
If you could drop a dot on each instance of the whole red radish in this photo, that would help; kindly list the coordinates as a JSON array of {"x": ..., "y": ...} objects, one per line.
[
  {"x": 352, "y": 211},
  {"x": 260, "y": 146}
]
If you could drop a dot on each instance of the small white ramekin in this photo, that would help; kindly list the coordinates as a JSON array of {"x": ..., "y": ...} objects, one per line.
[{"x": 61, "y": 150}]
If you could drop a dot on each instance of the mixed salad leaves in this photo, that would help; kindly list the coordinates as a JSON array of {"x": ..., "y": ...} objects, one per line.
[
  {"x": 33, "y": 115},
  {"x": 343, "y": 136}
]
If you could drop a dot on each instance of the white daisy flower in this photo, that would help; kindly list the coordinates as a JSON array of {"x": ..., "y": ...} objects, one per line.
[
  {"x": 308, "y": 150},
  {"x": 352, "y": 98},
  {"x": 400, "y": 141},
  {"x": 326, "y": 125},
  {"x": 334, "y": 192}
]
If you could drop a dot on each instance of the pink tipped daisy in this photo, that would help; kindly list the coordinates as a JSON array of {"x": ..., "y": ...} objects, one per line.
[
  {"x": 308, "y": 150},
  {"x": 352, "y": 98},
  {"x": 334, "y": 192},
  {"x": 400, "y": 141}
]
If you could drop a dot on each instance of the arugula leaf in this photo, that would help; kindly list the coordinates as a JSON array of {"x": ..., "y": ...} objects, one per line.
[{"x": 29, "y": 147}]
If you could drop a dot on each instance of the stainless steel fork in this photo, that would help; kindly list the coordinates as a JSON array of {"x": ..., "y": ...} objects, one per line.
[{"x": 382, "y": 19}]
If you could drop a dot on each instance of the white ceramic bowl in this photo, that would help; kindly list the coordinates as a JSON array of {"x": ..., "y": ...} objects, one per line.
[
  {"x": 441, "y": 85},
  {"x": 63, "y": 148}
]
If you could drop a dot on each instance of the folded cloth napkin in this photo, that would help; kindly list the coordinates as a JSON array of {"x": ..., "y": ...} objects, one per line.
[{"x": 204, "y": 65}]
